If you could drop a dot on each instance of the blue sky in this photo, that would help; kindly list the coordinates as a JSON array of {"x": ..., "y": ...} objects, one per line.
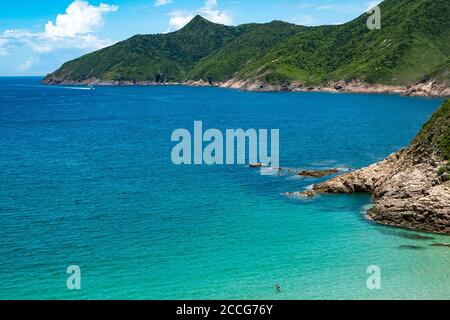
[{"x": 36, "y": 37}]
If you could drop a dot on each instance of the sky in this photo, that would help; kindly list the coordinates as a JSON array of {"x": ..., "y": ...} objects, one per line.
[{"x": 36, "y": 37}]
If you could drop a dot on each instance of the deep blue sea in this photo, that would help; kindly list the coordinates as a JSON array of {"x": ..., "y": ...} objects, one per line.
[{"x": 86, "y": 179}]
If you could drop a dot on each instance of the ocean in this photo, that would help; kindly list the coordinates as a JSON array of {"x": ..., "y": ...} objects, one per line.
[{"x": 87, "y": 179}]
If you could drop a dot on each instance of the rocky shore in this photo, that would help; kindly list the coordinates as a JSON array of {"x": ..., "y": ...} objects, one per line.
[
  {"x": 424, "y": 89},
  {"x": 411, "y": 188}
]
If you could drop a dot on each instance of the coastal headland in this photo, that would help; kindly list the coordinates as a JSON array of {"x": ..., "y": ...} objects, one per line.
[
  {"x": 409, "y": 55},
  {"x": 410, "y": 188}
]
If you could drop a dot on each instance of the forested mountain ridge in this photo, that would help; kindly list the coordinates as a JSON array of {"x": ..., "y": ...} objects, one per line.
[{"x": 412, "y": 46}]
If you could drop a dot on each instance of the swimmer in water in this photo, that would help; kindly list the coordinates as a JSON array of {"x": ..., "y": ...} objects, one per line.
[{"x": 278, "y": 287}]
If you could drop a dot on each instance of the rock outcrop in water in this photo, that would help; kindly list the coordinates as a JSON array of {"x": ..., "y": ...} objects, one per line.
[
  {"x": 318, "y": 173},
  {"x": 410, "y": 188}
]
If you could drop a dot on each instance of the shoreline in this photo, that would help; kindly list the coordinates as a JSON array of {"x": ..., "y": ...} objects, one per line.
[
  {"x": 410, "y": 188},
  {"x": 407, "y": 190},
  {"x": 423, "y": 89}
]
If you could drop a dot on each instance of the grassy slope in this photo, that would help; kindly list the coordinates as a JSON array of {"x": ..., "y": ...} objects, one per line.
[
  {"x": 436, "y": 132},
  {"x": 414, "y": 43},
  {"x": 227, "y": 61},
  {"x": 441, "y": 73}
]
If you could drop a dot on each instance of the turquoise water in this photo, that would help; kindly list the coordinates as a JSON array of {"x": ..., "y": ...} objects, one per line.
[{"x": 86, "y": 178}]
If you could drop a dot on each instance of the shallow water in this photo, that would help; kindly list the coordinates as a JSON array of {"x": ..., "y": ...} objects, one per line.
[{"x": 87, "y": 179}]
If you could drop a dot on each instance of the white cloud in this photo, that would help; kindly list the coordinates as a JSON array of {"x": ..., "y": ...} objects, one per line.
[
  {"x": 80, "y": 18},
  {"x": 75, "y": 29},
  {"x": 72, "y": 33},
  {"x": 40, "y": 43},
  {"x": 178, "y": 19},
  {"x": 3, "y": 47},
  {"x": 159, "y": 3},
  {"x": 210, "y": 11},
  {"x": 306, "y": 20},
  {"x": 13, "y": 39},
  {"x": 27, "y": 64},
  {"x": 86, "y": 41}
]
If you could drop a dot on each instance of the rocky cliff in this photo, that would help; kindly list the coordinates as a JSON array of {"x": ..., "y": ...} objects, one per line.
[{"x": 410, "y": 188}]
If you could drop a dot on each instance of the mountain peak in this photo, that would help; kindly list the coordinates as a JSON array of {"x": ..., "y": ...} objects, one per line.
[
  {"x": 198, "y": 22},
  {"x": 199, "y": 18}
]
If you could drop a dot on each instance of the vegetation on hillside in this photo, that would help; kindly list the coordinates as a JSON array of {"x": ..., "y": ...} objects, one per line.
[
  {"x": 442, "y": 73},
  {"x": 143, "y": 57},
  {"x": 413, "y": 41},
  {"x": 436, "y": 134},
  {"x": 225, "y": 63},
  {"x": 413, "y": 44}
]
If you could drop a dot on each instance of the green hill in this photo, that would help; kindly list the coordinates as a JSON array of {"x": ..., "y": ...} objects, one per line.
[
  {"x": 226, "y": 62},
  {"x": 413, "y": 44},
  {"x": 142, "y": 57},
  {"x": 436, "y": 132},
  {"x": 413, "y": 41}
]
